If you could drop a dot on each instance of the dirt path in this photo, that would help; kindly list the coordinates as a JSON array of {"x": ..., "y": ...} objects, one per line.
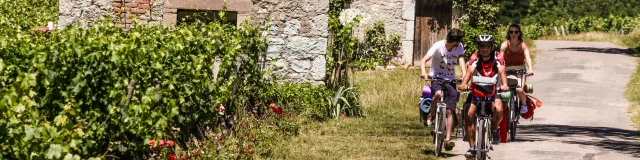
[{"x": 584, "y": 113}]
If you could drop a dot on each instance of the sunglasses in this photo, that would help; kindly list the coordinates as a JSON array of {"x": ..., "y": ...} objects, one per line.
[
  {"x": 484, "y": 46},
  {"x": 514, "y": 32}
]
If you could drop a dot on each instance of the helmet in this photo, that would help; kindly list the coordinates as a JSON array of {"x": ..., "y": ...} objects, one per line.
[{"x": 485, "y": 38}]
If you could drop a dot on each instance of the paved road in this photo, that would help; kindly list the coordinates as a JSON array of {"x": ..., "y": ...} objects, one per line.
[{"x": 584, "y": 113}]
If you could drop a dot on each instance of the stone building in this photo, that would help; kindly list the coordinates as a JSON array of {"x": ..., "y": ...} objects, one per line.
[{"x": 299, "y": 28}]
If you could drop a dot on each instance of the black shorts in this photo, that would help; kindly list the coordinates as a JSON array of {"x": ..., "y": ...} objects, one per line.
[{"x": 451, "y": 97}]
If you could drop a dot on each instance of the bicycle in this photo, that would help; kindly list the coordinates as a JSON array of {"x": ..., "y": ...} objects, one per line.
[
  {"x": 484, "y": 116},
  {"x": 439, "y": 130},
  {"x": 513, "y": 105}
]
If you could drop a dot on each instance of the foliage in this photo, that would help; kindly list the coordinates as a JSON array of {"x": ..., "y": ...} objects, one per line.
[
  {"x": 376, "y": 49},
  {"x": 340, "y": 50},
  {"x": 546, "y": 12},
  {"x": 470, "y": 35},
  {"x": 481, "y": 17},
  {"x": 512, "y": 11},
  {"x": 18, "y": 16},
  {"x": 621, "y": 25},
  {"x": 632, "y": 40},
  {"x": 338, "y": 103},
  {"x": 66, "y": 93},
  {"x": 305, "y": 100},
  {"x": 479, "y": 14}
]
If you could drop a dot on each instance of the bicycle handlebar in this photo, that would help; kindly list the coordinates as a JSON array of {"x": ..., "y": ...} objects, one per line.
[
  {"x": 518, "y": 71},
  {"x": 443, "y": 80},
  {"x": 498, "y": 89}
]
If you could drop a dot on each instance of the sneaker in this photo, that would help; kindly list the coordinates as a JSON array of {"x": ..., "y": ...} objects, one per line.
[
  {"x": 471, "y": 153},
  {"x": 523, "y": 109},
  {"x": 429, "y": 121},
  {"x": 496, "y": 136},
  {"x": 448, "y": 145}
]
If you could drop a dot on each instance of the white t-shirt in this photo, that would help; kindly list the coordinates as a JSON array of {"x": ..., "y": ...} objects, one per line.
[{"x": 443, "y": 62}]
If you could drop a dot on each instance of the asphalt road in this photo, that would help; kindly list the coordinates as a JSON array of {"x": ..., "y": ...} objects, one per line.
[{"x": 581, "y": 85}]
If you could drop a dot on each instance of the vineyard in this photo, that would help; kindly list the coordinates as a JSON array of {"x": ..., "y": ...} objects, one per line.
[
  {"x": 188, "y": 91},
  {"x": 621, "y": 25}
]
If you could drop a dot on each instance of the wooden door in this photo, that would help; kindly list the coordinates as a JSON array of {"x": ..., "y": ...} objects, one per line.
[{"x": 433, "y": 21}]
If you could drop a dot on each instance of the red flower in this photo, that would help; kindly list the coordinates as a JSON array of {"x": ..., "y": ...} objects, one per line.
[
  {"x": 275, "y": 108},
  {"x": 151, "y": 142},
  {"x": 184, "y": 158},
  {"x": 161, "y": 143},
  {"x": 219, "y": 137},
  {"x": 278, "y": 110},
  {"x": 170, "y": 143},
  {"x": 220, "y": 109},
  {"x": 171, "y": 156}
]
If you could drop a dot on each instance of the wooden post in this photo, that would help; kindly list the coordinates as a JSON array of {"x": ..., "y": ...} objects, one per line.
[{"x": 562, "y": 27}]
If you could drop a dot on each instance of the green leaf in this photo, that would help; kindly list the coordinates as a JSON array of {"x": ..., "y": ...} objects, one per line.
[
  {"x": 28, "y": 134},
  {"x": 69, "y": 156},
  {"x": 53, "y": 151},
  {"x": 60, "y": 120}
]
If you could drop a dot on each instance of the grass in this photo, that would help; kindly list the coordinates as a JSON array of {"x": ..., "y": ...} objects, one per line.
[
  {"x": 589, "y": 37},
  {"x": 533, "y": 51},
  {"x": 391, "y": 129},
  {"x": 633, "y": 87},
  {"x": 633, "y": 95}
]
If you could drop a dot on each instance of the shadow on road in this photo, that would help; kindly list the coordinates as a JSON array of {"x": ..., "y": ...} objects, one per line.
[
  {"x": 619, "y": 140},
  {"x": 443, "y": 154},
  {"x": 601, "y": 50}
]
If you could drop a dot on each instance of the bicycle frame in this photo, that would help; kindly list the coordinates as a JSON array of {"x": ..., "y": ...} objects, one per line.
[
  {"x": 514, "y": 101},
  {"x": 441, "y": 117},
  {"x": 483, "y": 125}
]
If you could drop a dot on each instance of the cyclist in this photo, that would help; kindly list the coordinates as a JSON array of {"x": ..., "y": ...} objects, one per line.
[
  {"x": 443, "y": 55},
  {"x": 516, "y": 53},
  {"x": 485, "y": 66}
]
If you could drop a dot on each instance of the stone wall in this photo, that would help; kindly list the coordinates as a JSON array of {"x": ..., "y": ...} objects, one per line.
[
  {"x": 82, "y": 11},
  {"x": 298, "y": 34},
  {"x": 122, "y": 11},
  {"x": 397, "y": 15},
  {"x": 298, "y": 37}
]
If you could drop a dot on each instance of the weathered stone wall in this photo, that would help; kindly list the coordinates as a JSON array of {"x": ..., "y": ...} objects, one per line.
[
  {"x": 75, "y": 11},
  {"x": 397, "y": 15},
  {"x": 298, "y": 34},
  {"x": 122, "y": 11},
  {"x": 298, "y": 37}
]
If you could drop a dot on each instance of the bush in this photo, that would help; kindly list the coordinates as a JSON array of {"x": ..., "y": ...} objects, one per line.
[
  {"x": 471, "y": 33},
  {"x": 104, "y": 91},
  {"x": 377, "y": 49},
  {"x": 632, "y": 40},
  {"x": 623, "y": 25}
]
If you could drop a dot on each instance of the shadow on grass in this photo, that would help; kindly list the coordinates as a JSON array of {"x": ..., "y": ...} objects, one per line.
[{"x": 619, "y": 140}]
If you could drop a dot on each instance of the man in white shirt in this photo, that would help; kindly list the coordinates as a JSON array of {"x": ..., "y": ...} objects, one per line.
[{"x": 443, "y": 55}]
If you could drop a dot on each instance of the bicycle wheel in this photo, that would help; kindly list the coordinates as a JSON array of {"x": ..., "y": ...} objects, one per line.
[
  {"x": 508, "y": 117},
  {"x": 481, "y": 139},
  {"x": 440, "y": 131},
  {"x": 513, "y": 123}
]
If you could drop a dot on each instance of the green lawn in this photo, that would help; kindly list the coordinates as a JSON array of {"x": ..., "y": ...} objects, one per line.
[{"x": 391, "y": 129}]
